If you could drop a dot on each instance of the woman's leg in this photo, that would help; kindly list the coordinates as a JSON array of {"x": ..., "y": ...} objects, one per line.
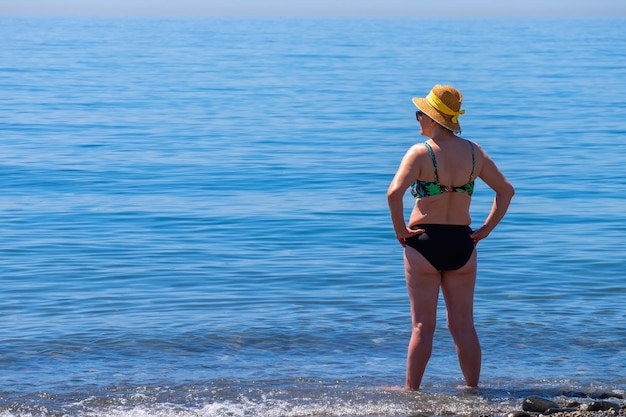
[
  {"x": 458, "y": 291},
  {"x": 423, "y": 282}
]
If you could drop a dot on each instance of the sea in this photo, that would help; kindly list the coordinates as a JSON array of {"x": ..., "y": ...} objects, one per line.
[{"x": 194, "y": 223}]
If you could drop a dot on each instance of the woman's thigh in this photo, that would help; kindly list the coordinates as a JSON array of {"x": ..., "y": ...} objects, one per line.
[
  {"x": 423, "y": 282},
  {"x": 458, "y": 290}
]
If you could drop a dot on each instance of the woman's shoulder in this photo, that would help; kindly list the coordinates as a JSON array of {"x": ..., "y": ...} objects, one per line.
[
  {"x": 419, "y": 146},
  {"x": 417, "y": 149},
  {"x": 476, "y": 147}
]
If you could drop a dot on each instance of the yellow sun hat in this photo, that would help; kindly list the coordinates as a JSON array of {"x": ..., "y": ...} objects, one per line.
[{"x": 443, "y": 105}]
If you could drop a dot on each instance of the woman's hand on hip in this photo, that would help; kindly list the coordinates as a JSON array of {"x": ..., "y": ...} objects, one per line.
[
  {"x": 479, "y": 234},
  {"x": 407, "y": 233}
]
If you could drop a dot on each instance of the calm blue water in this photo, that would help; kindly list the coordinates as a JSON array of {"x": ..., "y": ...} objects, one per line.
[{"x": 194, "y": 222}]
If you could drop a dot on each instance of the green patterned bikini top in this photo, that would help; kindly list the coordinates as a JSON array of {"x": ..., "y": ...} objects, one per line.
[{"x": 421, "y": 189}]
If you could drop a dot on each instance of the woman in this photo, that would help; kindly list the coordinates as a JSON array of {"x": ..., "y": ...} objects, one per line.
[{"x": 439, "y": 246}]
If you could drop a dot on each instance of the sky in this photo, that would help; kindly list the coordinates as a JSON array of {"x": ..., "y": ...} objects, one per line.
[{"x": 340, "y": 8}]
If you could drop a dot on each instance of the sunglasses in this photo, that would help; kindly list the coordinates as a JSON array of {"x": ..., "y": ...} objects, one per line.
[{"x": 418, "y": 114}]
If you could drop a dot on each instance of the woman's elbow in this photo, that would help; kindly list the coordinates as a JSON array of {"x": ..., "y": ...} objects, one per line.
[
  {"x": 508, "y": 191},
  {"x": 511, "y": 189},
  {"x": 394, "y": 193},
  {"x": 393, "y": 190}
]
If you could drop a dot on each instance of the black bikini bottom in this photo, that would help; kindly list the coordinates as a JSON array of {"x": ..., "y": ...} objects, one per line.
[{"x": 446, "y": 246}]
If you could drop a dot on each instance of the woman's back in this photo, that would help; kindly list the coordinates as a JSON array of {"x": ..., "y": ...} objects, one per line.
[{"x": 447, "y": 168}]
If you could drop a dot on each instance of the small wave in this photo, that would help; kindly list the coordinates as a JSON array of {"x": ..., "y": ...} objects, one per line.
[{"x": 284, "y": 398}]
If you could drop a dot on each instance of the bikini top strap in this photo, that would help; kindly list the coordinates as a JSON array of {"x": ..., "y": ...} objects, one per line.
[
  {"x": 432, "y": 157},
  {"x": 473, "y": 159}
]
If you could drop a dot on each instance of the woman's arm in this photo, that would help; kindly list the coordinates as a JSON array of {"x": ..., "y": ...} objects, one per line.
[
  {"x": 407, "y": 172},
  {"x": 492, "y": 176}
]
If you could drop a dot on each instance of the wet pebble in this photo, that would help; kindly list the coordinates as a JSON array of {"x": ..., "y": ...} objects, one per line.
[
  {"x": 518, "y": 414},
  {"x": 602, "y": 406},
  {"x": 572, "y": 404},
  {"x": 538, "y": 404}
]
